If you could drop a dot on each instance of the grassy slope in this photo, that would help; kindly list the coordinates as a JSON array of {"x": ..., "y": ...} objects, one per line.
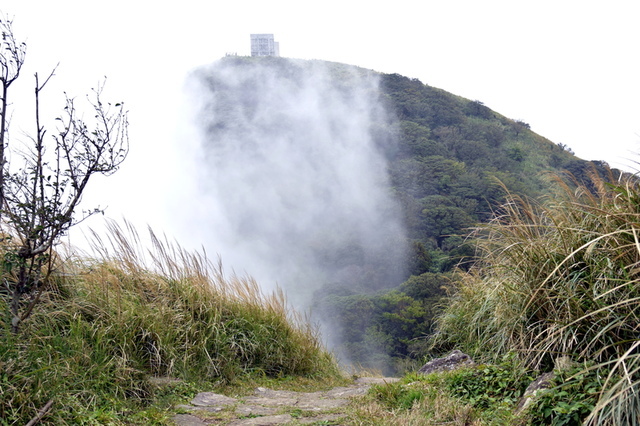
[
  {"x": 112, "y": 323},
  {"x": 558, "y": 280}
]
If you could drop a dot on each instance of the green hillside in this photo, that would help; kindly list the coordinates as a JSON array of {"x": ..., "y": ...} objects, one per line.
[
  {"x": 106, "y": 328},
  {"x": 450, "y": 160},
  {"x": 452, "y": 154}
]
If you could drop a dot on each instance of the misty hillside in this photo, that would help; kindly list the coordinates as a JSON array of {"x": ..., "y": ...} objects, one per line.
[
  {"x": 451, "y": 154},
  {"x": 355, "y": 190},
  {"x": 445, "y": 153}
]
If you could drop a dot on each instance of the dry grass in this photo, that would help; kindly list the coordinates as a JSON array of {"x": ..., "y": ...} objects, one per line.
[
  {"x": 560, "y": 278},
  {"x": 127, "y": 313}
]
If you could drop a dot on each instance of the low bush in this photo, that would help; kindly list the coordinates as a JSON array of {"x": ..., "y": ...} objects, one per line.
[{"x": 489, "y": 386}]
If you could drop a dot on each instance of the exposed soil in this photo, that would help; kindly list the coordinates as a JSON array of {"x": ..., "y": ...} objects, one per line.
[{"x": 274, "y": 407}]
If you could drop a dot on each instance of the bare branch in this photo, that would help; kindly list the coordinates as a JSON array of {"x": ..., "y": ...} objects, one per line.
[
  {"x": 12, "y": 56},
  {"x": 39, "y": 201}
]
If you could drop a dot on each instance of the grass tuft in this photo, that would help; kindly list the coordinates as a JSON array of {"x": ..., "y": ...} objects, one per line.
[
  {"x": 559, "y": 277},
  {"x": 124, "y": 315}
]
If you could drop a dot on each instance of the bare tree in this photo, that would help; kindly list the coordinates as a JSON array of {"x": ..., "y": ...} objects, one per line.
[
  {"x": 41, "y": 198},
  {"x": 12, "y": 55}
]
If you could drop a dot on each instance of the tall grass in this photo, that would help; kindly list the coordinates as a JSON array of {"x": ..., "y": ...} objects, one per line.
[
  {"x": 125, "y": 314},
  {"x": 560, "y": 277}
]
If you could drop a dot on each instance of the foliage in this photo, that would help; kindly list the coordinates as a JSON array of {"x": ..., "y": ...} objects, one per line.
[
  {"x": 447, "y": 158},
  {"x": 486, "y": 386},
  {"x": 397, "y": 396},
  {"x": 380, "y": 330},
  {"x": 559, "y": 278},
  {"x": 450, "y": 397},
  {"x": 451, "y": 152},
  {"x": 112, "y": 322},
  {"x": 570, "y": 400}
]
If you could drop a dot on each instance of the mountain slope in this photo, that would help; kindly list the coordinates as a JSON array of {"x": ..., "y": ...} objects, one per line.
[
  {"x": 452, "y": 152},
  {"x": 449, "y": 168},
  {"x": 442, "y": 160}
]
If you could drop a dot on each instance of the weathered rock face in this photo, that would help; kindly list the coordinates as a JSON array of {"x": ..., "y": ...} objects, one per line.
[{"x": 454, "y": 360}]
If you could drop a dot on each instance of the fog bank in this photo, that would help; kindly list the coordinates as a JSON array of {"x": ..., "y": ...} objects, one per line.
[{"x": 292, "y": 185}]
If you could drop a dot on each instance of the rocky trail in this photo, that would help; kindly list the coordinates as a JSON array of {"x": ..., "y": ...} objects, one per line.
[{"x": 274, "y": 407}]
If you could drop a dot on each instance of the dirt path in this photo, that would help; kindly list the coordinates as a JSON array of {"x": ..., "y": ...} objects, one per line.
[{"x": 272, "y": 407}]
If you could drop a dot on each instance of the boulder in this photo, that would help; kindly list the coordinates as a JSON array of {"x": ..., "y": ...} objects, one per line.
[{"x": 454, "y": 360}]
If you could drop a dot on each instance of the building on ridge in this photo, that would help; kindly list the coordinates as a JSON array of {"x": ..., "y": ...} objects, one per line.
[{"x": 264, "y": 45}]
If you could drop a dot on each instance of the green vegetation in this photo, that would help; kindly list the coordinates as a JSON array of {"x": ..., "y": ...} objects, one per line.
[
  {"x": 484, "y": 395},
  {"x": 119, "y": 337},
  {"x": 571, "y": 399},
  {"x": 386, "y": 330},
  {"x": 552, "y": 273},
  {"x": 112, "y": 323},
  {"x": 450, "y": 160},
  {"x": 560, "y": 278},
  {"x": 39, "y": 195}
]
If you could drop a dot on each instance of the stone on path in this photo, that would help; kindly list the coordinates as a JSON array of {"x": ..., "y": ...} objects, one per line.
[
  {"x": 210, "y": 399},
  {"x": 187, "y": 420},
  {"x": 270, "y": 407},
  {"x": 263, "y": 421},
  {"x": 246, "y": 410}
]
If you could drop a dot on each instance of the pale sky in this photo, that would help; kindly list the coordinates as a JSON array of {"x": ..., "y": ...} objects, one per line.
[{"x": 568, "y": 68}]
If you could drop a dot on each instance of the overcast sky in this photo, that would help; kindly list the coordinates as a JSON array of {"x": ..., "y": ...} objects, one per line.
[{"x": 568, "y": 68}]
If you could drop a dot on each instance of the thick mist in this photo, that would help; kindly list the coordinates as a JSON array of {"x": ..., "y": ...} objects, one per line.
[{"x": 292, "y": 177}]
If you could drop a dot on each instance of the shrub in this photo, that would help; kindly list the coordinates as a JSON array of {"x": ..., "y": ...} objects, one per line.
[
  {"x": 559, "y": 278},
  {"x": 487, "y": 386}
]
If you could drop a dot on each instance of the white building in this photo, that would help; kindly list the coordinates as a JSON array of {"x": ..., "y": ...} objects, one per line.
[{"x": 264, "y": 45}]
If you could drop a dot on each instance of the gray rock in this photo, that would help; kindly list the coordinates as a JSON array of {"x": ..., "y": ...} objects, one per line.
[
  {"x": 263, "y": 421},
  {"x": 454, "y": 360},
  {"x": 541, "y": 383},
  {"x": 210, "y": 399},
  {"x": 319, "y": 404},
  {"x": 268, "y": 407},
  {"x": 246, "y": 410},
  {"x": 187, "y": 420},
  {"x": 346, "y": 392},
  {"x": 270, "y": 393},
  {"x": 271, "y": 401},
  {"x": 199, "y": 408}
]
